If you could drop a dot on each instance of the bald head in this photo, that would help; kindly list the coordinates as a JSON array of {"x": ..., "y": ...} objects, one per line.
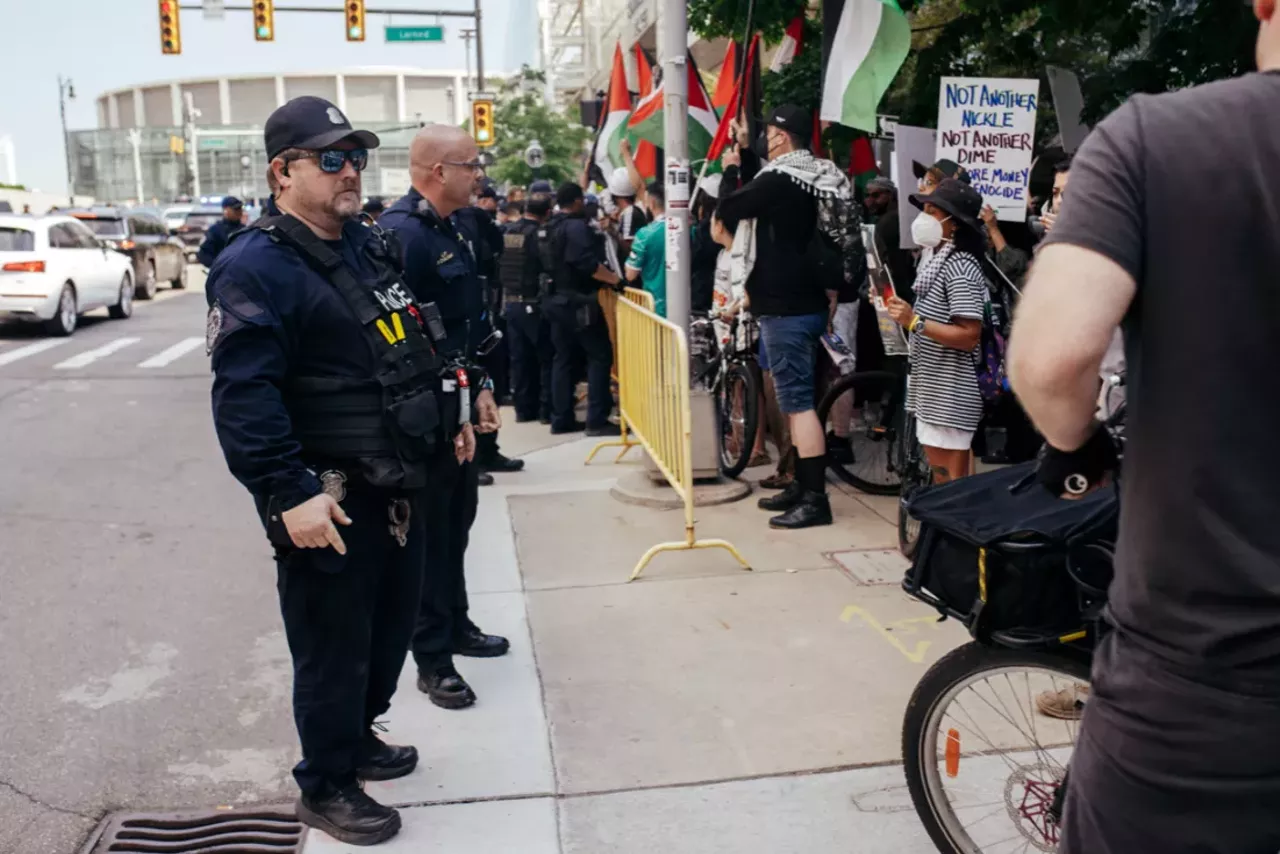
[{"x": 435, "y": 159}]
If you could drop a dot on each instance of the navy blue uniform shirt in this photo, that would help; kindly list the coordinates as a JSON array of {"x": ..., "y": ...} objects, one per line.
[
  {"x": 440, "y": 266},
  {"x": 273, "y": 318},
  {"x": 215, "y": 240},
  {"x": 582, "y": 252}
]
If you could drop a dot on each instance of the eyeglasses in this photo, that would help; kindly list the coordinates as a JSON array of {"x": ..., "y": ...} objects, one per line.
[
  {"x": 473, "y": 165},
  {"x": 331, "y": 160}
]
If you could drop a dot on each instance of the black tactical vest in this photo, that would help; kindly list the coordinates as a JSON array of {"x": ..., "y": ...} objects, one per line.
[
  {"x": 519, "y": 264},
  {"x": 394, "y": 422}
]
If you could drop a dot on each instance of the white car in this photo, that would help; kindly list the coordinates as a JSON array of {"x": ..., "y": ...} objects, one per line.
[
  {"x": 175, "y": 216},
  {"x": 53, "y": 269}
]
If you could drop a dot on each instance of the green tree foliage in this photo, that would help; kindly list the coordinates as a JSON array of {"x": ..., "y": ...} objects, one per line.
[
  {"x": 728, "y": 18},
  {"x": 520, "y": 117}
]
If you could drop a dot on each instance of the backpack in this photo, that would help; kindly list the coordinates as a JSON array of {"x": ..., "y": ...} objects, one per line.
[
  {"x": 993, "y": 383},
  {"x": 840, "y": 225}
]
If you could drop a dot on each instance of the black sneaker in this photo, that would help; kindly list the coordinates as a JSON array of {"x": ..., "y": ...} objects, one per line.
[
  {"x": 446, "y": 688},
  {"x": 386, "y": 761},
  {"x": 813, "y": 509},
  {"x": 784, "y": 500},
  {"x": 575, "y": 427},
  {"x": 350, "y": 816},
  {"x": 501, "y": 464}
]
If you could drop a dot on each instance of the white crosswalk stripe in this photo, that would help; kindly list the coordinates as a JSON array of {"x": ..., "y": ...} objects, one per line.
[
  {"x": 30, "y": 350},
  {"x": 164, "y": 357},
  {"x": 88, "y": 357}
]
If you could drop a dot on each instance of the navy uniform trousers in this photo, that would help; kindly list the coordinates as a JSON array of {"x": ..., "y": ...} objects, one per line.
[
  {"x": 449, "y": 508},
  {"x": 348, "y": 621},
  {"x": 529, "y": 337}
]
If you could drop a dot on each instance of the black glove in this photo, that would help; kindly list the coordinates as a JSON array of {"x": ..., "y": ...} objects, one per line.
[{"x": 1076, "y": 472}]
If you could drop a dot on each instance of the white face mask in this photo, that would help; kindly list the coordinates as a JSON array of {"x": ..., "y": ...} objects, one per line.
[{"x": 927, "y": 231}]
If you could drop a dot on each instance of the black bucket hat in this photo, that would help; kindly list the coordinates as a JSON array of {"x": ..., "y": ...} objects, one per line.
[
  {"x": 947, "y": 168},
  {"x": 956, "y": 198}
]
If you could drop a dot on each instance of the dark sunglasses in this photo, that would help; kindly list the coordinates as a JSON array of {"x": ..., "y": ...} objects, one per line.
[{"x": 331, "y": 160}]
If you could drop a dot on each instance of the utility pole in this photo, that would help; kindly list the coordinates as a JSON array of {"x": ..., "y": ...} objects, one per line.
[
  {"x": 479, "y": 52},
  {"x": 675, "y": 80},
  {"x": 67, "y": 91},
  {"x": 189, "y": 131},
  {"x": 135, "y": 141},
  {"x": 467, "y": 36}
]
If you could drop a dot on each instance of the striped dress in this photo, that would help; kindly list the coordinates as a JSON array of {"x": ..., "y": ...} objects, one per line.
[{"x": 943, "y": 390}]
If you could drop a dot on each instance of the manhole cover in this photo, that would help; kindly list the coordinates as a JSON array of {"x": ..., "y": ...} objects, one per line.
[{"x": 249, "y": 830}]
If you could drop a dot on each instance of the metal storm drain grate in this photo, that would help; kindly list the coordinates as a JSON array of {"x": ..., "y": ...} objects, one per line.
[{"x": 251, "y": 830}]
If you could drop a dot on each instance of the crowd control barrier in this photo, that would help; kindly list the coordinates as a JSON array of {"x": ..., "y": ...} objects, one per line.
[
  {"x": 653, "y": 400},
  {"x": 609, "y": 300}
]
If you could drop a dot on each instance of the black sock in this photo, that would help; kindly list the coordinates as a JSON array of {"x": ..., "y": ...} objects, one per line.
[{"x": 811, "y": 472}]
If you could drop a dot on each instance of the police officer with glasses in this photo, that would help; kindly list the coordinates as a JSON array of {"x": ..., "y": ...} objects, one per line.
[{"x": 328, "y": 404}]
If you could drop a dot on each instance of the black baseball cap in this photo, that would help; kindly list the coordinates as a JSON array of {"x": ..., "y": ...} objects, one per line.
[
  {"x": 541, "y": 187},
  {"x": 791, "y": 118},
  {"x": 487, "y": 192},
  {"x": 948, "y": 168},
  {"x": 231, "y": 202},
  {"x": 956, "y": 198},
  {"x": 311, "y": 123},
  {"x": 374, "y": 205}
]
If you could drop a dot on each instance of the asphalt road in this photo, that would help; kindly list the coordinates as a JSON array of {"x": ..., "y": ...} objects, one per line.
[{"x": 142, "y": 663}]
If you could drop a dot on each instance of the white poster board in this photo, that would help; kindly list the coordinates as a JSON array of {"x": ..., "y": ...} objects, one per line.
[
  {"x": 911, "y": 145},
  {"x": 988, "y": 126},
  {"x": 394, "y": 183}
]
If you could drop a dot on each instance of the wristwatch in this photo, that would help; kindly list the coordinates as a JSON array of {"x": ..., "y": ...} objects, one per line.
[{"x": 917, "y": 324}]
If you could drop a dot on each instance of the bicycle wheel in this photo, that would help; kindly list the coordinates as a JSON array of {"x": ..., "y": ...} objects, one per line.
[
  {"x": 858, "y": 413},
  {"x": 738, "y": 411},
  {"x": 985, "y": 768},
  {"x": 916, "y": 474}
]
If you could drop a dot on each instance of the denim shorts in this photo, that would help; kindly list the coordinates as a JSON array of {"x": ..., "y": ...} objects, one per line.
[{"x": 791, "y": 347}]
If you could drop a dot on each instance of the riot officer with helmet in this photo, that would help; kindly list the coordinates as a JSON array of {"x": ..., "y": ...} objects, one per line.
[
  {"x": 572, "y": 260},
  {"x": 330, "y": 409},
  {"x": 441, "y": 266},
  {"x": 528, "y": 332}
]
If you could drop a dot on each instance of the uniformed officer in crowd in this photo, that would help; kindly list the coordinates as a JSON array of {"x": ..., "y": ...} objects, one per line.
[
  {"x": 329, "y": 406},
  {"x": 572, "y": 259},
  {"x": 528, "y": 334},
  {"x": 374, "y": 208},
  {"x": 441, "y": 267},
  {"x": 215, "y": 239},
  {"x": 478, "y": 224}
]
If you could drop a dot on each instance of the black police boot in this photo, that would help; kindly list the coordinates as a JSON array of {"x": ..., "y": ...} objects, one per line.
[
  {"x": 483, "y": 478},
  {"x": 784, "y": 500},
  {"x": 350, "y": 816},
  {"x": 575, "y": 427},
  {"x": 385, "y": 761},
  {"x": 476, "y": 644},
  {"x": 501, "y": 464},
  {"x": 813, "y": 509},
  {"x": 544, "y": 418},
  {"x": 604, "y": 430},
  {"x": 446, "y": 688}
]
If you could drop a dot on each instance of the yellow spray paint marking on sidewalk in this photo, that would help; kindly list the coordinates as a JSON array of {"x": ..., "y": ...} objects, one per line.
[{"x": 887, "y": 631}]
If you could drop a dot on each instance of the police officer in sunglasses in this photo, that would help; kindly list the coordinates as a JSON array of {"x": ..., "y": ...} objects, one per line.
[{"x": 330, "y": 409}]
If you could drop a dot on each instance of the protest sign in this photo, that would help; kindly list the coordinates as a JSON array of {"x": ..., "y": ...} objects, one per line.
[
  {"x": 988, "y": 126},
  {"x": 882, "y": 288}
]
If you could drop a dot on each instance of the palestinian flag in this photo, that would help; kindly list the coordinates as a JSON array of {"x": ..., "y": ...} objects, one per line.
[
  {"x": 721, "y": 138},
  {"x": 862, "y": 163},
  {"x": 728, "y": 80},
  {"x": 646, "y": 122},
  {"x": 789, "y": 47},
  {"x": 872, "y": 39},
  {"x": 646, "y": 153},
  {"x": 613, "y": 119}
]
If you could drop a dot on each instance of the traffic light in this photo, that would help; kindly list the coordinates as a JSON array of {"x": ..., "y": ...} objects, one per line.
[
  {"x": 355, "y": 20},
  {"x": 170, "y": 31},
  {"x": 264, "y": 20},
  {"x": 482, "y": 123}
]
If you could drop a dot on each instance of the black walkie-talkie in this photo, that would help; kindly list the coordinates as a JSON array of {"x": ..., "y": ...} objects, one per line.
[{"x": 433, "y": 321}]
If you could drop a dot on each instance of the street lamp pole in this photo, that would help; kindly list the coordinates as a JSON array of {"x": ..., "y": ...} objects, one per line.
[
  {"x": 479, "y": 52},
  {"x": 67, "y": 91},
  {"x": 675, "y": 81}
]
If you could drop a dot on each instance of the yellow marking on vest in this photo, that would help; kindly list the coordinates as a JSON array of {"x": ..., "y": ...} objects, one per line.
[
  {"x": 395, "y": 321},
  {"x": 386, "y": 331}
]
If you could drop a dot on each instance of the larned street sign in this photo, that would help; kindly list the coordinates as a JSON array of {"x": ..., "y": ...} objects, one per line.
[{"x": 415, "y": 34}]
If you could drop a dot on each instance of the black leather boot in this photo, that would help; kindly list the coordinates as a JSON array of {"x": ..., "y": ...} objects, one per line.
[
  {"x": 446, "y": 688},
  {"x": 813, "y": 509},
  {"x": 501, "y": 464},
  {"x": 476, "y": 644},
  {"x": 784, "y": 500},
  {"x": 386, "y": 761},
  {"x": 350, "y": 816}
]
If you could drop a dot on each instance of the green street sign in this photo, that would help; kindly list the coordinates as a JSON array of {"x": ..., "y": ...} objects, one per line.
[
  {"x": 415, "y": 34},
  {"x": 207, "y": 142}
]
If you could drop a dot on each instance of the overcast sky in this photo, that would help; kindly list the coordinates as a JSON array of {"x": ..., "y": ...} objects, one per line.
[{"x": 108, "y": 44}]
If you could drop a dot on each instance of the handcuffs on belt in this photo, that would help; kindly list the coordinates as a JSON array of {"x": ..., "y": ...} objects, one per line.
[{"x": 399, "y": 512}]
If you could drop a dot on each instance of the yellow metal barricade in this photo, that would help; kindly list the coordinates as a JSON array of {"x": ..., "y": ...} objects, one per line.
[
  {"x": 609, "y": 300},
  {"x": 653, "y": 390}
]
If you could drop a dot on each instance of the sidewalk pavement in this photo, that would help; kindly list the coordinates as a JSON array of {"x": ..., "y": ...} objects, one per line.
[{"x": 701, "y": 709}]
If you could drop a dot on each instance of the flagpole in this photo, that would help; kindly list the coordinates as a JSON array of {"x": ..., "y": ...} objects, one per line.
[{"x": 675, "y": 79}]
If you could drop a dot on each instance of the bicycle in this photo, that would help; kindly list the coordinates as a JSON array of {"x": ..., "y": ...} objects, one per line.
[
  {"x": 987, "y": 761},
  {"x": 726, "y": 365},
  {"x": 862, "y": 415}
]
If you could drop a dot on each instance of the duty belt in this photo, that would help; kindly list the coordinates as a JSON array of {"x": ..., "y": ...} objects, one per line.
[{"x": 398, "y": 509}]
